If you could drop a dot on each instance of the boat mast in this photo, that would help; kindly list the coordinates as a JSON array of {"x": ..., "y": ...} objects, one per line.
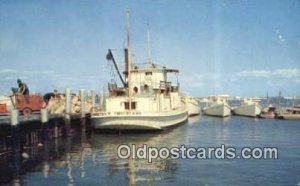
[
  {"x": 148, "y": 44},
  {"x": 129, "y": 57},
  {"x": 268, "y": 100},
  {"x": 279, "y": 103}
]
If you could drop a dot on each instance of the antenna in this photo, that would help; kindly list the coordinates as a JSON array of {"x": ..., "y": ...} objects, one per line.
[
  {"x": 129, "y": 57},
  {"x": 279, "y": 99},
  {"x": 128, "y": 28},
  {"x": 148, "y": 44}
]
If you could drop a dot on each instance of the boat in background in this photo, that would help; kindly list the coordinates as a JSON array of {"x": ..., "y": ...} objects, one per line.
[
  {"x": 269, "y": 112},
  {"x": 218, "y": 107},
  {"x": 192, "y": 105},
  {"x": 248, "y": 107},
  {"x": 289, "y": 113}
]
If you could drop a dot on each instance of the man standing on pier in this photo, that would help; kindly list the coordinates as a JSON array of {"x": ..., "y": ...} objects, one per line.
[{"x": 23, "y": 89}]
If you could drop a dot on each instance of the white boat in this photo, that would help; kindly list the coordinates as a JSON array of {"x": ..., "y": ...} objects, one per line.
[
  {"x": 290, "y": 113},
  {"x": 248, "y": 107},
  {"x": 192, "y": 106},
  {"x": 268, "y": 112},
  {"x": 219, "y": 107},
  {"x": 289, "y": 116},
  {"x": 147, "y": 100}
]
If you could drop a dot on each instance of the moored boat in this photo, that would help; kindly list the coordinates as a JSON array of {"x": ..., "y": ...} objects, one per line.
[
  {"x": 248, "y": 107},
  {"x": 269, "y": 112},
  {"x": 291, "y": 113},
  {"x": 219, "y": 107},
  {"x": 146, "y": 101},
  {"x": 192, "y": 106}
]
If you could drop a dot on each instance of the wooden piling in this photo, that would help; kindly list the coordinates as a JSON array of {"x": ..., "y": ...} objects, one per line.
[
  {"x": 93, "y": 97},
  {"x": 68, "y": 112},
  {"x": 14, "y": 117},
  {"x": 102, "y": 100},
  {"x": 15, "y": 130},
  {"x": 45, "y": 125},
  {"x": 82, "y": 109},
  {"x": 44, "y": 116},
  {"x": 82, "y": 102}
]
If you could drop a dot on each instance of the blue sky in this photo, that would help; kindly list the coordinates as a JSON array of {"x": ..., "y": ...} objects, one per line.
[{"x": 241, "y": 48}]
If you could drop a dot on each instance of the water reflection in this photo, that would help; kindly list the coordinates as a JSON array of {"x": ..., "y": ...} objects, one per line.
[
  {"x": 194, "y": 120},
  {"x": 104, "y": 149},
  {"x": 136, "y": 170},
  {"x": 93, "y": 159},
  {"x": 214, "y": 120}
]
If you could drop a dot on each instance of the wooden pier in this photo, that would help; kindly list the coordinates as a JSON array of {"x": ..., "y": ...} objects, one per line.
[
  {"x": 33, "y": 131},
  {"x": 18, "y": 131}
]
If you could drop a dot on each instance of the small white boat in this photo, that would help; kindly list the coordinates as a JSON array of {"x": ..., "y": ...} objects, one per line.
[
  {"x": 192, "y": 106},
  {"x": 219, "y": 107},
  {"x": 268, "y": 112},
  {"x": 248, "y": 107}
]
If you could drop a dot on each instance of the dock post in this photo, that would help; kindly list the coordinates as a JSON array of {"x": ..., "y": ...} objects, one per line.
[
  {"x": 44, "y": 116},
  {"x": 15, "y": 130},
  {"x": 88, "y": 117},
  {"x": 102, "y": 101},
  {"x": 82, "y": 109},
  {"x": 68, "y": 111},
  {"x": 93, "y": 97},
  {"x": 45, "y": 125}
]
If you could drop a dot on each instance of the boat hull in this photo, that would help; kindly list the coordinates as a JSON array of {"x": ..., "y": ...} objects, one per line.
[
  {"x": 247, "y": 110},
  {"x": 267, "y": 115},
  {"x": 289, "y": 116},
  {"x": 193, "y": 109},
  {"x": 220, "y": 110},
  {"x": 139, "y": 122}
]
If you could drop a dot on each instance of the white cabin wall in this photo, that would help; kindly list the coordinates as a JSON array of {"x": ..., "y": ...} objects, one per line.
[
  {"x": 155, "y": 104},
  {"x": 115, "y": 104},
  {"x": 140, "y": 79},
  {"x": 175, "y": 99},
  {"x": 143, "y": 104},
  {"x": 167, "y": 104},
  {"x": 157, "y": 77}
]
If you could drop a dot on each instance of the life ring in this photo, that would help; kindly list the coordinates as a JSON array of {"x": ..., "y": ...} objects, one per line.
[{"x": 27, "y": 111}]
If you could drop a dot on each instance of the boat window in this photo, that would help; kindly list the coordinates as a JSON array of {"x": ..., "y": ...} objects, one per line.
[
  {"x": 148, "y": 73},
  {"x": 133, "y": 105},
  {"x": 146, "y": 88}
]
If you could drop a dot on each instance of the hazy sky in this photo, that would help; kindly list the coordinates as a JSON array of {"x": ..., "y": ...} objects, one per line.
[{"x": 241, "y": 48}]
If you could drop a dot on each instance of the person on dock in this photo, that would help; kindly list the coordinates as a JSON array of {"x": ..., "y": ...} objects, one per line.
[
  {"x": 23, "y": 88},
  {"x": 51, "y": 95},
  {"x": 55, "y": 103}
]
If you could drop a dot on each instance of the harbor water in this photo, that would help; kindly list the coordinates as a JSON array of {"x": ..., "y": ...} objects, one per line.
[{"x": 93, "y": 160}]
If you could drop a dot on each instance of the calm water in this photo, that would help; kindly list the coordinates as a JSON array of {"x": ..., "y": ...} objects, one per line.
[{"x": 93, "y": 160}]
